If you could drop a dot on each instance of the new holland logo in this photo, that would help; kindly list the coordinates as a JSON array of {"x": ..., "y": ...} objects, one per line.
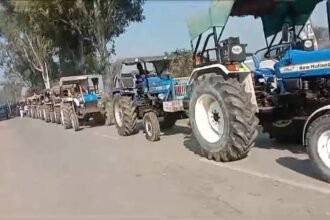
[{"x": 305, "y": 67}]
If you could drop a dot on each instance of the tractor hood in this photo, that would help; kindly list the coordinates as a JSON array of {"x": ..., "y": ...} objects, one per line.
[
  {"x": 156, "y": 85},
  {"x": 272, "y": 12}
]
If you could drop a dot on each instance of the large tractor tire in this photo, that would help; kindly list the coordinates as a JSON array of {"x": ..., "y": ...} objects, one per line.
[
  {"x": 125, "y": 116},
  {"x": 222, "y": 118},
  {"x": 66, "y": 112},
  {"x": 151, "y": 126},
  {"x": 318, "y": 145},
  {"x": 46, "y": 113},
  {"x": 57, "y": 114},
  {"x": 111, "y": 114},
  {"x": 284, "y": 131},
  {"x": 74, "y": 121}
]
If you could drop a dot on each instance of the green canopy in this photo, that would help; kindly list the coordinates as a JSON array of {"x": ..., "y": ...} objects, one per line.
[
  {"x": 293, "y": 13},
  {"x": 272, "y": 12}
]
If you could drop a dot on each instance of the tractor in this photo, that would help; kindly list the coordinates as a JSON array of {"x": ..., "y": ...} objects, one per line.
[
  {"x": 56, "y": 103},
  {"x": 40, "y": 106},
  {"x": 289, "y": 98},
  {"x": 143, "y": 89},
  {"x": 33, "y": 103},
  {"x": 80, "y": 100},
  {"x": 48, "y": 108},
  {"x": 220, "y": 98}
]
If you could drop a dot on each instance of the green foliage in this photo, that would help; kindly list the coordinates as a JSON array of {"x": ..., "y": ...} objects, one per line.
[
  {"x": 182, "y": 63},
  {"x": 59, "y": 37}
]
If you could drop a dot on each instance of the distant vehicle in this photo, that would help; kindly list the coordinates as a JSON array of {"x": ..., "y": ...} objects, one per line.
[{"x": 4, "y": 112}]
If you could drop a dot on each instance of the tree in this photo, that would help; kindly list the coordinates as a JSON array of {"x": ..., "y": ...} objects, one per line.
[
  {"x": 182, "y": 63},
  {"x": 24, "y": 45},
  {"x": 60, "y": 37},
  {"x": 83, "y": 29}
]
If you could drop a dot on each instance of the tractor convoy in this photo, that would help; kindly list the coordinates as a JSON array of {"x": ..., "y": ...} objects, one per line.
[{"x": 224, "y": 99}]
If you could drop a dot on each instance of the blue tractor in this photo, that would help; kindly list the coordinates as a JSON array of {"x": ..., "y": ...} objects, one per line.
[
  {"x": 4, "y": 112},
  {"x": 80, "y": 101},
  {"x": 143, "y": 89}
]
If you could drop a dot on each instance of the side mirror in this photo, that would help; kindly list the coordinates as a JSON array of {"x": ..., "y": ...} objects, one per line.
[{"x": 285, "y": 33}]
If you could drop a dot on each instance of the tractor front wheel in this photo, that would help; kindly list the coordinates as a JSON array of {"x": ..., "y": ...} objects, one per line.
[
  {"x": 222, "y": 118},
  {"x": 57, "y": 114},
  {"x": 74, "y": 121},
  {"x": 151, "y": 126},
  {"x": 66, "y": 111}
]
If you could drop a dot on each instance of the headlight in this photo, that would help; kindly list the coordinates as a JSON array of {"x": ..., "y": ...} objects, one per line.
[
  {"x": 236, "y": 49},
  {"x": 308, "y": 44},
  {"x": 161, "y": 96}
]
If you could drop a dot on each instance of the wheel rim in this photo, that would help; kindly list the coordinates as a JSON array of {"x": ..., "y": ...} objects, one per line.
[
  {"x": 209, "y": 118},
  {"x": 148, "y": 127},
  {"x": 282, "y": 123},
  {"x": 118, "y": 114},
  {"x": 323, "y": 148}
]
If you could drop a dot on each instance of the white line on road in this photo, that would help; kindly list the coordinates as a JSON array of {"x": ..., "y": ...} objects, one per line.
[
  {"x": 269, "y": 177},
  {"x": 106, "y": 136}
]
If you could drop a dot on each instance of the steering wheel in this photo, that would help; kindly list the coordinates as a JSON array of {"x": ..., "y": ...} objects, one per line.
[{"x": 279, "y": 52}]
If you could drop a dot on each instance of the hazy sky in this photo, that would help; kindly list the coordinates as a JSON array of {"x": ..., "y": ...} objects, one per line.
[{"x": 164, "y": 28}]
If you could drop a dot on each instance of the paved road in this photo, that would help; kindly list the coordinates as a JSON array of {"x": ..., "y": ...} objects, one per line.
[{"x": 51, "y": 173}]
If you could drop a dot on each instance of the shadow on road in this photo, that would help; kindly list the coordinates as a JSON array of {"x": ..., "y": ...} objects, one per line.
[
  {"x": 264, "y": 142},
  {"x": 301, "y": 166},
  {"x": 177, "y": 129}
]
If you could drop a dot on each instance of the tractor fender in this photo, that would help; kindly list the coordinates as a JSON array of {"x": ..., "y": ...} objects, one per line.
[
  {"x": 244, "y": 75},
  {"x": 311, "y": 118},
  {"x": 215, "y": 68}
]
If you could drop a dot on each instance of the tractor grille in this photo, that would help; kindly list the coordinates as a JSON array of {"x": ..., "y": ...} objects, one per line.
[
  {"x": 127, "y": 82},
  {"x": 180, "y": 90}
]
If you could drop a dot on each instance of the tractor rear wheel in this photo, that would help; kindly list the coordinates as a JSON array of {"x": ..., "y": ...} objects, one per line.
[
  {"x": 46, "y": 113},
  {"x": 222, "y": 118},
  {"x": 318, "y": 145},
  {"x": 111, "y": 110},
  {"x": 66, "y": 111},
  {"x": 151, "y": 126},
  {"x": 126, "y": 116}
]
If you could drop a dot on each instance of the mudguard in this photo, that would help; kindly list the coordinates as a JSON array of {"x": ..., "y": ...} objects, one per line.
[{"x": 309, "y": 120}]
